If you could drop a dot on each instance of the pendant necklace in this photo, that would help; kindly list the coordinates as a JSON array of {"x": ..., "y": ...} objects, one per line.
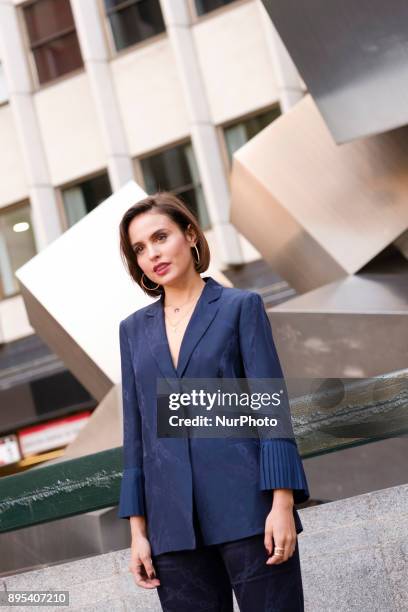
[
  {"x": 175, "y": 325},
  {"x": 178, "y": 308}
]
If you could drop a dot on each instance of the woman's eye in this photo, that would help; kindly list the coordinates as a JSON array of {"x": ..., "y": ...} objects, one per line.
[{"x": 137, "y": 250}]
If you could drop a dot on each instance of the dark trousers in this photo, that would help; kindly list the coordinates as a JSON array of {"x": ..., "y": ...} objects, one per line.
[{"x": 204, "y": 578}]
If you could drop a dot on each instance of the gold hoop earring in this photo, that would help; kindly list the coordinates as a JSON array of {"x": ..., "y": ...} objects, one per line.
[
  {"x": 198, "y": 255},
  {"x": 147, "y": 288}
]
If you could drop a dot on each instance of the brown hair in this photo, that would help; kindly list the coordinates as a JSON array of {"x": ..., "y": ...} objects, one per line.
[{"x": 165, "y": 203}]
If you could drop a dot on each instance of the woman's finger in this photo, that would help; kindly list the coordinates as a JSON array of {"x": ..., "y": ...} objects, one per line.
[
  {"x": 281, "y": 552},
  {"x": 278, "y": 553},
  {"x": 148, "y": 565},
  {"x": 268, "y": 541},
  {"x": 142, "y": 579}
]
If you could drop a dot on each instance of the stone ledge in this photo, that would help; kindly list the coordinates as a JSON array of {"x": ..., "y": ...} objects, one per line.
[{"x": 354, "y": 555}]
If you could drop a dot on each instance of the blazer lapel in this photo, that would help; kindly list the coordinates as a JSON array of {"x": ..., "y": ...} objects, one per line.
[
  {"x": 203, "y": 314},
  {"x": 156, "y": 338},
  {"x": 155, "y": 329}
]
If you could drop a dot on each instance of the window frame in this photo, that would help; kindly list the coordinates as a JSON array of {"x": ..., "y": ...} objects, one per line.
[
  {"x": 35, "y": 80},
  {"x": 186, "y": 140},
  {"x": 236, "y": 121},
  {"x": 74, "y": 183},
  {"x": 196, "y": 18},
  {"x": 9, "y": 208},
  {"x": 108, "y": 32}
]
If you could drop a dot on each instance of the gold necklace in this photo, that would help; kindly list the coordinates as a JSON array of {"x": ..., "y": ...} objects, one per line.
[
  {"x": 178, "y": 308},
  {"x": 175, "y": 325}
]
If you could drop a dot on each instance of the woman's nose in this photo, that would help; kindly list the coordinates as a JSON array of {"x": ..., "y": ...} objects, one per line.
[{"x": 153, "y": 252}]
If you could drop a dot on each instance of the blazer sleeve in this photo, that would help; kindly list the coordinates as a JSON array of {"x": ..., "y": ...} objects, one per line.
[
  {"x": 280, "y": 462},
  {"x": 131, "y": 501}
]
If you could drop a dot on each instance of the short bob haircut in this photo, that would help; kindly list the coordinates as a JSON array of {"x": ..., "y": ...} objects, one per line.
[{"x": 168, "y": 204}]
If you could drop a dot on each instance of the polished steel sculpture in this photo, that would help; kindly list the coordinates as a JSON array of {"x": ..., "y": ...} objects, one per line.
[
  {"x": 355, "y": 327},
  {"x": 353, "y": 57},
  {"x": 316, "y": 211}
]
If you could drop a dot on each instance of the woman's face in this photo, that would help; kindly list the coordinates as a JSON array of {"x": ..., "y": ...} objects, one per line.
[{"x": 156, "y": 240}]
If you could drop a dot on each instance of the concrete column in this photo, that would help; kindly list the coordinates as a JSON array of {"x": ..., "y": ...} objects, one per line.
[
  {"x": 290, "y": 85},
  {"x": 202, "y": 129},
  {"x": 96, "y": 59},
  {"x": 44, "y": 211}
]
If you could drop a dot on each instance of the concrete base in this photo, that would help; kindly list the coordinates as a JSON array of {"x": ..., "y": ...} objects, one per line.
[{"x": 354, "y": 556}]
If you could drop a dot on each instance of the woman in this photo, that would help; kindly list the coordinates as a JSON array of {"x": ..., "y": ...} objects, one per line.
[{"x": 208, "y": 516}]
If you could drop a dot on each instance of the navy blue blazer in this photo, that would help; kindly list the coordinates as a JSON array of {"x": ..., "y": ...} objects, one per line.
[{"x": 232, "y": 480}]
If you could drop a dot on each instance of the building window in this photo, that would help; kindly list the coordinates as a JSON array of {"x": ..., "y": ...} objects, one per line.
[
  {"x": 176, "y": 170},
  {"x": 132, "y": 21},
  {"x": 3, "y": 86},
  {"x": 238, "y": 134},
  {"x": 84, "y": 197},
  {"x": 206, "y": 6},
  {"x": 53, "y": 40},
  {"x": 17, "y": 246}
]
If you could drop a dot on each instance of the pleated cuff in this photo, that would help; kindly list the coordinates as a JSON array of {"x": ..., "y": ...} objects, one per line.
[
  {"x": 132, "y": 501},
  {"x": 281, "y": 468}
]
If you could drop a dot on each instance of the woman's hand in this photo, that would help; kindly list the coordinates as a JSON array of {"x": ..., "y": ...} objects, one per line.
[
  {"x": 280, "y": 529},
  {"x": 141, "y": 564}
]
